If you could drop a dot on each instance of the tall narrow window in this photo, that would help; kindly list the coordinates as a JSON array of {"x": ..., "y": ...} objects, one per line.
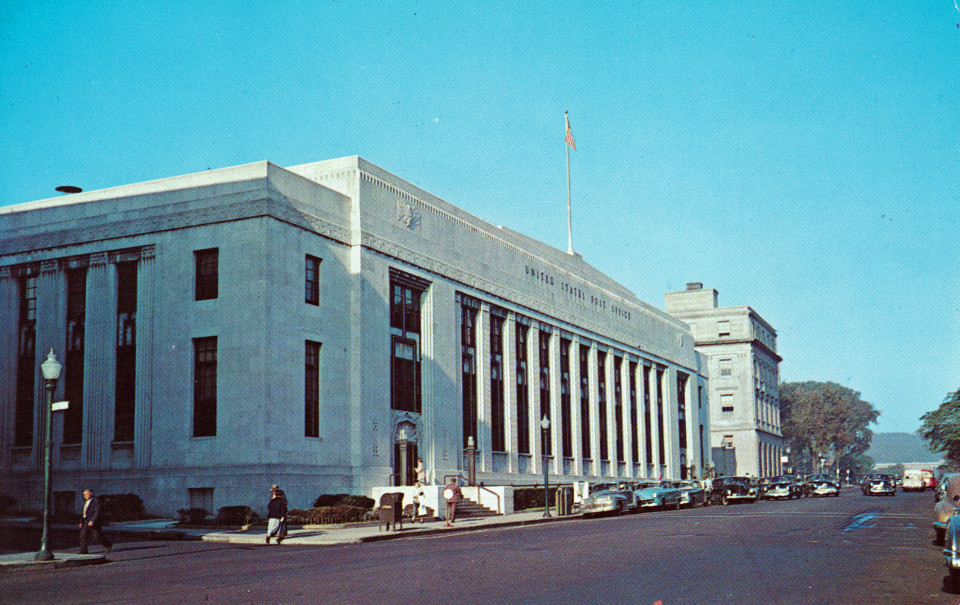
[
  {"x": 647, "y": 420},
  {"x": 468, "y": 359},
  {"x": 497, "y": 423},
  {"x": 312, "y": 288},
  {"x": 26, "y": 369},
  {"x": 205, "y": 386},
  {"x": 602, "y": 404},
  {"x": 566, "y": 421},
  {"x": 311, "y": 395},
  {"x": 405, "y": 343},
  {"x": 618, "y": 406},
  {"x": 126, "y": 370},
  {"x": 545, "y": 387},
  {"x": 660, "y": 426},
  {"x": 523, "y": 408},
  {"x": 207, "y": 273},
  {"x": 682, "y": 409},
  {"x": 585, "y": 401},
  {"x": 634, "y": 436},
  {"x": 73, "y": 363}
]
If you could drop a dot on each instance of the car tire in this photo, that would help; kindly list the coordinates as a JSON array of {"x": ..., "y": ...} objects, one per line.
[
  {"x": 725, "y": 499},
  {"x": 938, "y": 536}
]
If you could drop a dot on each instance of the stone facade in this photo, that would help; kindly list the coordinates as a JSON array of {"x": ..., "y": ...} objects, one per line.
[
  {"x": 191, "y": 399},
  {"x": 741, "y": 349}
]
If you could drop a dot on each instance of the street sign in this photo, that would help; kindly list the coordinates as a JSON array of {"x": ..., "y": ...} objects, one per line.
[{"x": 57, "y": 406}]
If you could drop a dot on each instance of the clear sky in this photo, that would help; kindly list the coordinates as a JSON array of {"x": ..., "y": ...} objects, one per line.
[{"x": 800, "y": 157}]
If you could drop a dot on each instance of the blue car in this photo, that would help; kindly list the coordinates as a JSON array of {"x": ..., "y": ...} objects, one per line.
[{"x": 656, "y": 494}]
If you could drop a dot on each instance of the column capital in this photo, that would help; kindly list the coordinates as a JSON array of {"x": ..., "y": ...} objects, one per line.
[
  {"x": 5, "y": 273},
  {"x": 98, "y": 258},
  {"x": 49, "y": 266}
]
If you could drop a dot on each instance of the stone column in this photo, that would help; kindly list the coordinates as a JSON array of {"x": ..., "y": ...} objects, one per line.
[
  {"x": 576, "y": 425},
  {"x": 533, "y": 405},
  {"x": 9, "y": 349},
  {"x": 99, "y": 361},
  {"x": 595, "y": 412},
  {"x": 641, "y": 429},
  {"x": 556, "y": 417},
  {"x": 611, "y": 411},
  {"x": 143, "y": 410},
  {"x": 655, "y": 428},
  {"x": 625, "y": 403},
  {"x": 484, "y": 412},
  {"x": 510, "y": 389}
]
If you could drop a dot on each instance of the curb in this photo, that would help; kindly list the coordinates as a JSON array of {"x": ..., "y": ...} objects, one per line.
[
  {"x": 28, "y": 564},
  {"x": 465, "y": 528}
]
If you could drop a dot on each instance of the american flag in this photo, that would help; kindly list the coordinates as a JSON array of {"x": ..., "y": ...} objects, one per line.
[{"x": 569, "y": 137}]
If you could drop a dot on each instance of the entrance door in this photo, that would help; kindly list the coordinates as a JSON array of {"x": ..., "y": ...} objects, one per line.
[{"x": 404, "y": 461}]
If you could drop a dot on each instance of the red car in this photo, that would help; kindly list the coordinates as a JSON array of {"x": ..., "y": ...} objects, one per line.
[{"x": 929, "y": 479}]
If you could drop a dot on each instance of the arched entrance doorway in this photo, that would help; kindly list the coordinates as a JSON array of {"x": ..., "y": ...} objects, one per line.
[{"x": 404, "y": 453}]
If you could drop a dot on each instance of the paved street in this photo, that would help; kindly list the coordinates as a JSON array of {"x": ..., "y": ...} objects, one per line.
[{"x": 852, "y": 549}]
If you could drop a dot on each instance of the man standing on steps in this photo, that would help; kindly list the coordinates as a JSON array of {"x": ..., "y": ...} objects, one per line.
[{"x": 453, "y": 495}]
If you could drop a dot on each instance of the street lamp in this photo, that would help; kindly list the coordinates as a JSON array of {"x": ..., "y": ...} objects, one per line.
[
  {"x": 51, "y": 373},
  {"x": 544, "y": 427}
]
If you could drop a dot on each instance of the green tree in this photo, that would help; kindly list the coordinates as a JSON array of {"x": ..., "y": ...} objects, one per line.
[
  {"x": 827, "y": 421},
  {"x": 941, "y": 428}
]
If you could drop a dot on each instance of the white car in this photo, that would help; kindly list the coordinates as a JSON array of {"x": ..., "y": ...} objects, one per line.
[{"x": 913, "y": 480}]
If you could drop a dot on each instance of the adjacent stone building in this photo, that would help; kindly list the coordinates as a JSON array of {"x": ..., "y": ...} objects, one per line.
[
  {"x": 320, "y": 327},
  {"x": 743, "y": 363}
]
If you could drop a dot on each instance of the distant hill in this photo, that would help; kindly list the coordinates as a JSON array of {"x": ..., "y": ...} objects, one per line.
[{"x": 893, "y": 448}]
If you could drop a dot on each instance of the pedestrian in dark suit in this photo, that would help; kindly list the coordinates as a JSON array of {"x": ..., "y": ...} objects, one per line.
[{"x": 91, "y": 525}]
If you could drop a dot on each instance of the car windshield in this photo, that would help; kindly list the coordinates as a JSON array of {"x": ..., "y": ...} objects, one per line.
[
  {"x": 782, "y": 479},
  {"x": 602, "y": 487},
  {"x": 686, "y": 484},
  {"x": 646, "y": 484}
]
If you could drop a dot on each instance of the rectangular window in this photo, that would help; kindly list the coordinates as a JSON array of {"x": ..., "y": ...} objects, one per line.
[
  {"x": 26, "y": 368},
  {"x": 405, "y": 370},
  {"x": 682, "y": 409},
  {"x": 723, "y": 328},
  {"x": 727, "y": 409},
  {"x": 205, "y": 386},
  {"x": 468, "y": 361},
  {"x": 405, "y": 343},
  {"x": 647, "y": 416},
  {"x": 312, "y": 288},
  {"x": 73, "y": 363},
  {"x": 618, "y": 406},
  {"x": 544, "y": 344},
  {"x": 660, "y": 426},
  {"x": 207, "y": 273},
  {"x": 726, "y": 403},
  {"x": 497, "y": 421},
  {"x": 311, "y": 395},
  {"x": 726, "y": 367},
  {"x": 126, "y": 369},
  {"x": 634, "y": 413},
  {"x": 566, "y": 428},
  {"x": 523, "y": 411},
  {"x": 585, "y": 401},
  {"x": 602, "y": 404}
]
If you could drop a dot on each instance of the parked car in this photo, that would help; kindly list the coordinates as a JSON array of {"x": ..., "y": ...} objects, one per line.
[
  {"x": 733, "y": 489},
  {"x": 946, "y": 506},
  {"x": 656, "y": 494},
  {"x": 691, "y": 493},
  {"x": 913, "y": 481},
  {"x": 929, "y": 478},
  {"x": 784, "y": 487},
  {"x": 878, "y": 484},
  {"x": 615, "y": 498}
]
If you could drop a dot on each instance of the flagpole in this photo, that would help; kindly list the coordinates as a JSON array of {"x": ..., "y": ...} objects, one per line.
[{"x": 567, "y": 144}]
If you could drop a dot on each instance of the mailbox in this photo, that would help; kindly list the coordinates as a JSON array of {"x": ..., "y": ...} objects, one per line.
[{"x": 391, "y": 510}]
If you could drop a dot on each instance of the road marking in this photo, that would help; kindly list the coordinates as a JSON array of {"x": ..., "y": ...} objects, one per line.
[{"x": 858, "y": 521}]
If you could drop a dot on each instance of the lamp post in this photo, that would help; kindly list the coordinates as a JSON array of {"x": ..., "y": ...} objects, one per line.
[
  {"x": 51, "y": 373},
  {"x": 544, "y": 427}
]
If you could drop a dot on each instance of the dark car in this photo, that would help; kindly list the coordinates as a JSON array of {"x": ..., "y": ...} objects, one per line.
[
  {"x": 784, "y": 487},
  {"x": 878, "y": 484},
  {"x": 734, "y": 489},
  {"x": 821, "y": 485}
]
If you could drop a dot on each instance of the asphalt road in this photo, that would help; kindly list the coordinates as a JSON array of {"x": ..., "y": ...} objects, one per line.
[{"x": 853, "y": 549}]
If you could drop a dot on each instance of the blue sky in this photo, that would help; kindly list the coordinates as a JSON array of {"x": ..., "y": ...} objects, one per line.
[{"x": 801, "y": 158}]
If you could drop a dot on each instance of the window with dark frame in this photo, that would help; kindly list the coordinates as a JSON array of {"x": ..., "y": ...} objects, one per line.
[
  {"x": 682, "y": 409},
  {"x": 635, "y": 436},
  {"x": 311, "y": 381},
  {"x": 73, "y": 361},
  {"x": 523, "y": 408},
  {"x": 618, "y": 406},
  {"x": 660, "y": 419},
  {"x": 26, "y": 368},
  {"x": 566, "y": 420},
  {"x": 205, "y": 386},
  {"x": 468, "y": 360},
  {"x": 207, "y": 273},
  {"x": 405, "y": 342},
  {"x": 126, "y": 367},
  {"x": 585, "y": 401},
  {"x": 497, "y": 420},
  {"x": 647, "y": 414},
  {"x": 312, "y": 287},
  {"x": 602, "y": 404},
  {"x": 544, "y": 346}
]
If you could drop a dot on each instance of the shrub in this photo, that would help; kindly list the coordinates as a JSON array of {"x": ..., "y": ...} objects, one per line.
[
  {"x": 237, "y": 515},
  {"x": 192, "y": 516},
  {"x": 325, "y": 515},
  {"x": 327, "y": 500},
  {"x": 121, "y": 507},
  {"x": 6, "y": 503},
  {"x": 525, "y": 498}
]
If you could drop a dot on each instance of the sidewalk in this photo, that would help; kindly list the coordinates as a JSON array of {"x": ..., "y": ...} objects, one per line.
[{"x": 312, "y": 535}]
